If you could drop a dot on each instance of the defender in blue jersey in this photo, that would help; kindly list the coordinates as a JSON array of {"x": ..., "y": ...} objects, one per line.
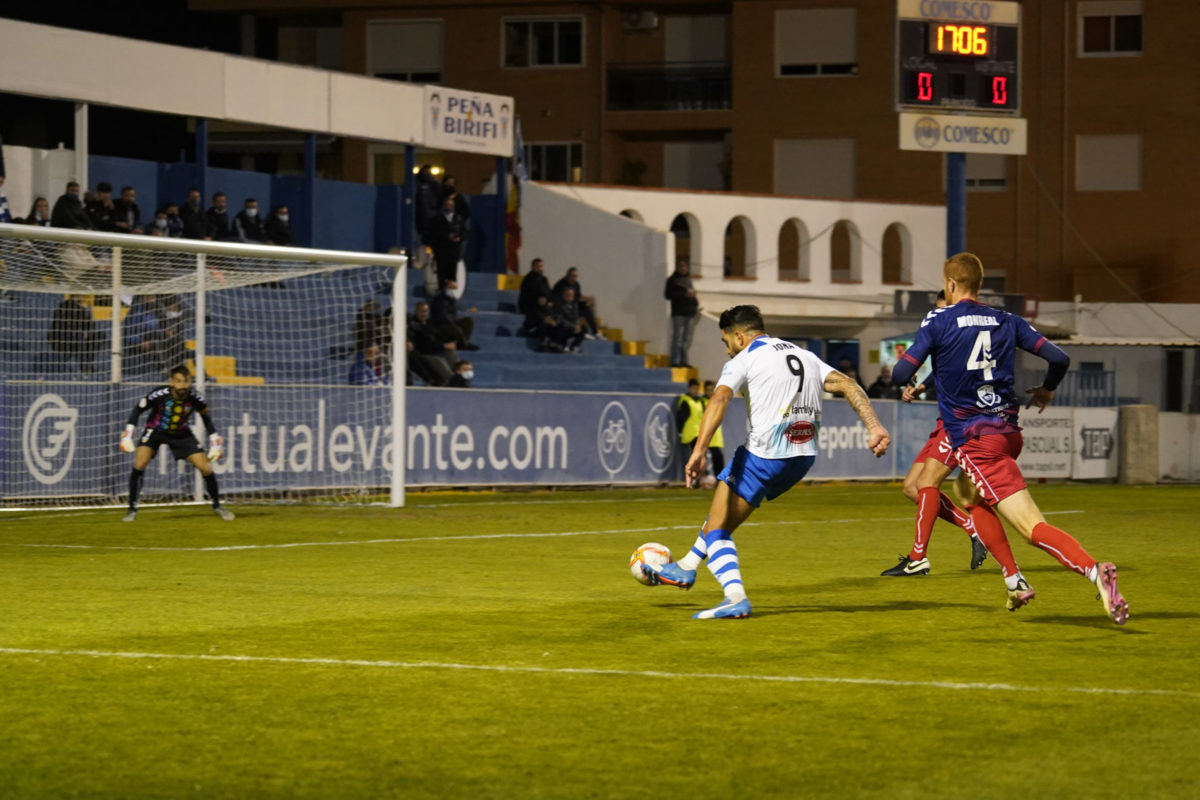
[
  {"x": 170, "y": 410},
  {"x": 974, "y": 348},
  {"x": 782, "y": 383}
]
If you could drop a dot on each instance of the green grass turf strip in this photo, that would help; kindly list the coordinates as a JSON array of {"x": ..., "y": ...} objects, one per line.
[{"x": 440, "y": 650}]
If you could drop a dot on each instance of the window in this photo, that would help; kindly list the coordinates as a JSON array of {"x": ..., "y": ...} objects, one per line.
[
  {"x": 1110, "y": 28},
  {"x": 1108, "y": 163},
  {"x": 987, "y": 172},
  {"x": 815, "y": 167},
  {"x": 543, "y": 43},
  {"x": 554, "y": 162},
  {"x": 812, "y": 42},
  {"x": 404, "y": 50}
]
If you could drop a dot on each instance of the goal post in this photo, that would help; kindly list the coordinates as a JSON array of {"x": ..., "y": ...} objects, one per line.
[{"x": 297, "y": 351}]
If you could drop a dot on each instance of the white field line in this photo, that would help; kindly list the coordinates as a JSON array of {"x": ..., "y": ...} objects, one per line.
[
  {"x": 703, "y": 676},
  {"x": 480, "y": 536}
]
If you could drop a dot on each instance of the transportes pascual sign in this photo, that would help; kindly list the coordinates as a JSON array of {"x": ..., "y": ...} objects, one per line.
[{"x": 961, "y": 133}]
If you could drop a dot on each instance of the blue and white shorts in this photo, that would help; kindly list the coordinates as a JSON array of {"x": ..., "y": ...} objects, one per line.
[{"x": 752, "y": 478}]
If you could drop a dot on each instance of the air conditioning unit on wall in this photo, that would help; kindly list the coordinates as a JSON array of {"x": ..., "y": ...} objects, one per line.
[{"x": 643, "y": 20}]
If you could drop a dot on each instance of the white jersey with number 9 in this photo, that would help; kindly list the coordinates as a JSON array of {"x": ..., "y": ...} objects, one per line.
[{"x": 782, "y": 383}]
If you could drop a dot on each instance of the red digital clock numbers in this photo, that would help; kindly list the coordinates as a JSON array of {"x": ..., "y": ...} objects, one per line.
[{"x": 959, "y": 40}]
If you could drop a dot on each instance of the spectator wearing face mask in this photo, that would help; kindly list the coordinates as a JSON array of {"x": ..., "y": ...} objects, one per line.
[
  {"x": 102, "y": 210},
  {"x": 217, "y": 218},
  {"x": 277, "y": 230},
  {"x": 192, "y": 215},
  {"x": 247, "y": 227},
  {"x": 40, "y": 213},
  {"x": 464, "y": 373},
  {"x": 127, "y": 217},
  {"x": 160, "y": 225},
  {"x": 68, "y": 210},
  {"x": 174, "y": 228}
]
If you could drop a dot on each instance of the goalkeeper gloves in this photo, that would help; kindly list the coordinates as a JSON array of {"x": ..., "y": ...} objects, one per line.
[
  {"x": 216, "y": 447},
  {"x": 127, "y": 445}
]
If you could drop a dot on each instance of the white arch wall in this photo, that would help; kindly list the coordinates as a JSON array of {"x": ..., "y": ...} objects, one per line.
[{"x": 714, "y": 210}]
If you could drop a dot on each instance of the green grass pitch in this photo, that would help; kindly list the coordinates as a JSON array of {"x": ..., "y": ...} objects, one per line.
[{"x": 495, "y": 646}]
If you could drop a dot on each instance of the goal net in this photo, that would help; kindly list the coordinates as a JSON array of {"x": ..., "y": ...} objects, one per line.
[{"x": 291, "y": 348}]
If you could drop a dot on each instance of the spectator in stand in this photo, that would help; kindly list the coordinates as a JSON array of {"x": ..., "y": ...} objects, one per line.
[
  {"x": 569, "y": 330},
  {"x": 430, "y": 355},
  {"x": 883, "y": 388},
  {"x": 277, "y": 230},
  {"x": 174, "y": 228},
  {"x": 443, "y": 312},
  {"x": 539, "y": 321},
  {"x": 587, "y": 304},
  {"x": 174, "y": 324},
  {"x": 158, "y": 227},
  {"x": 141, "y": 336},
  {"x": 463, "y": 375},
  {"x": 73, "y": 334},
  {"x": 192, "y": 214},
  {"x": 445, "y": 236},
  {"x": 368, "y": 369},
  {"x": 216, "y": 219},
  {"x": 127, "y": 216},
  {"x": 461, "y": 206},
  {"x": 535, "y": 284},
  {"x": 684, "y": 308},
  {"x": 101, "y": 210},
  {"x": 426, "y": 201},
  {"x": 39, "y": 214},
  {"x": 69, "y": 211},
  {"x": 368, "y": 325},
  {"x": 247, "y": 227}
]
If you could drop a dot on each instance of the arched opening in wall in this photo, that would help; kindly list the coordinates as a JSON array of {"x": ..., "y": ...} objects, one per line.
[
  {"x": 793, "y": 251},
  {"x": 686, "y": 229},
  {"x": 634, "y": 215},
  {"x": 897, "y": 254},
  {"x": 739, "y": 254},
  {"x": 845, "y": 253}
]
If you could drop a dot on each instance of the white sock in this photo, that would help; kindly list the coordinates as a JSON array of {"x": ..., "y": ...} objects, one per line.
[{"x": 1012, "y": 581}]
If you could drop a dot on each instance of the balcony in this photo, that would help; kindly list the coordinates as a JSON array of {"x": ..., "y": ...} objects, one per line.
[{"x": 693, "y": 86}]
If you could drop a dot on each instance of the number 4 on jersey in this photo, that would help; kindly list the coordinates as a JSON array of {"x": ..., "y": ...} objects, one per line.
[{"x": 981, "y": 355}]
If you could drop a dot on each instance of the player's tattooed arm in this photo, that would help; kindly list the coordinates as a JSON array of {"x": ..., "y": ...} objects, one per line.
[{"x": 878, "y": 436}]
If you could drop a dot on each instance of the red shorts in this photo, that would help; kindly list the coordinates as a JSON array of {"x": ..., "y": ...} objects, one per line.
[
  {"x": 937, "y": 447},
  {"x": 991, "y": 463}
]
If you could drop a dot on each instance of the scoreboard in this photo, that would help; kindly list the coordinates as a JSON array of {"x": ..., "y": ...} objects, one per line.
[{"x": 958, "y": 55}]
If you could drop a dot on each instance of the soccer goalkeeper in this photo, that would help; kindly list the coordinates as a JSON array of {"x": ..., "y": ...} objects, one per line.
[{"x": 171, "y": 408}]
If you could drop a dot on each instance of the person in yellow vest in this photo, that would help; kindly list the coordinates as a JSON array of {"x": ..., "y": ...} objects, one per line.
[
  {"x": 716, "y": 455},
  {"x": 689, "y": 410}
]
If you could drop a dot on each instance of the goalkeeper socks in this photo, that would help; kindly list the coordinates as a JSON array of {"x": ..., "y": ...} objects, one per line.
[
  {"x": 210, "y": 484},
  {"x": 135, "y": 487},
  {"x": 927, "y": 514},
  {"x": 723, "y": 563},
  {"x": 1062, "y": 546}
]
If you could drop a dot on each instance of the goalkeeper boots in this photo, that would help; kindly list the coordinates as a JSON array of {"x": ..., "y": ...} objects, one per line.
[
  {"x": 1114, "y": 604},
  {"x": 671, "y": 574},
  {"x": 223, "y": 512},
  {"x": 1019, "y": 596},
  {"x": 907, "y": 568},
  {"x": 130, "y": 515},
  {"x": 979, "y": 552},
  {"x": 727, "y": 610}
]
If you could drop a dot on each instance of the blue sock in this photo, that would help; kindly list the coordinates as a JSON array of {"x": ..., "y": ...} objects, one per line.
[{"x": 723, "y": 563}]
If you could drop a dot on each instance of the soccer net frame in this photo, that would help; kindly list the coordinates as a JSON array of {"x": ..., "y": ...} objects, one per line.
[{"x": 278, "y": 340}]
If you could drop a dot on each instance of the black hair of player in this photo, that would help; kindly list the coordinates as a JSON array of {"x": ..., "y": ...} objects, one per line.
[
  {"x": 181, "y": 370},
  {"x": 741, "y": 317}
]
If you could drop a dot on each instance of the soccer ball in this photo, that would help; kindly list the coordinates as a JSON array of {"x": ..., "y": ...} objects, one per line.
[{"x": 650, "y": 553}]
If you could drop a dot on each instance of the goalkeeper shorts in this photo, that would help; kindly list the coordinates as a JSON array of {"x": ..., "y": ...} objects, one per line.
[{"x": 182, "y": 444}]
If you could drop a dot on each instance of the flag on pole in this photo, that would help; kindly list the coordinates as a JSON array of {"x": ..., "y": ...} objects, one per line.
[{"x": 512, "y": 215}]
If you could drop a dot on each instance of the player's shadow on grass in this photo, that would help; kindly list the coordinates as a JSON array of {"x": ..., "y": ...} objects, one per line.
[
  {"x": 869, "y": 608},
  {"x": 1088, "y": 621}
]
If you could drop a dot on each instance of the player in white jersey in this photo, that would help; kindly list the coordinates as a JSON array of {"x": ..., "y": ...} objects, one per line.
[{"x": 782, "y": 383}]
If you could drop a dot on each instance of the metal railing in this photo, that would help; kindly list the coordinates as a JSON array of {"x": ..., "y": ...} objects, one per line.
[{"x": 689, "y": 86}]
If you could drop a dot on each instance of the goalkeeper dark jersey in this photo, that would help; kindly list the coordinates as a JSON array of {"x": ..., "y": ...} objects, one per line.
[{"x": 170, "y": 416}]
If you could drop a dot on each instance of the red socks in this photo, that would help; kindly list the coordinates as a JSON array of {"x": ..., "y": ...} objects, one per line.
[
  {"x": 1062, "y": 546},
  {"x": 991, "y": 533},
  {"x": 931, "y": 504}
]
